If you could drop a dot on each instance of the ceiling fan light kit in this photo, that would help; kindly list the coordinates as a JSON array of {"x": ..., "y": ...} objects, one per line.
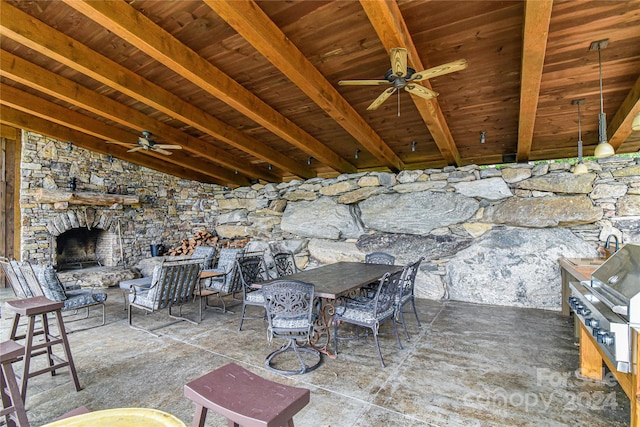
[
  {"x": 402, "y": 77},
  {"x": 603, "y": 149},
  {"x": 635, "y": 125}
]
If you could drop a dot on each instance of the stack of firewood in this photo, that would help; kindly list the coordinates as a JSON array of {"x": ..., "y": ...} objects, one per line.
[{"x": 187, "y": 246}]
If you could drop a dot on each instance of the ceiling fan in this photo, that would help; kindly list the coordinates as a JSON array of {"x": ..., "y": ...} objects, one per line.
[
  {"x": 147, "y": 143},
  {"x": 401, "y": 76}
]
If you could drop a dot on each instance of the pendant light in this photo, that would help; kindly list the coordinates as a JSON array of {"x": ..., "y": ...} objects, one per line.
[
  {"x": 580, "y": 168},
  {"x": 603, "y": 149}
]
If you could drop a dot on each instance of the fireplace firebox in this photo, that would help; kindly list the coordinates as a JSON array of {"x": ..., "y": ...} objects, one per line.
[{"x": 83, "y": 247}]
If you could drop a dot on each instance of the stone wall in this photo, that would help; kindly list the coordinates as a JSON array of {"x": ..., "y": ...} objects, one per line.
[{"x": 488, "y": 235}]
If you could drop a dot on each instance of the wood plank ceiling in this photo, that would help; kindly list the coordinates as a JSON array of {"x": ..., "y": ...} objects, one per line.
[{"x": 250, "y": 92}]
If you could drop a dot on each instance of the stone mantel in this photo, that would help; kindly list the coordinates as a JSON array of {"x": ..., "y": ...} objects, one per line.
[{"x": 61, "y": 199}]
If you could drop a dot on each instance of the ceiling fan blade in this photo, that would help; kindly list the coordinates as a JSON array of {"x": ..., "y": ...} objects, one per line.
[
  {"x": 135, "y": 149},
  {"x": 168, "y": 146},
  {"x": 161, "y": 151},
  {"x": 440, "y": 70},
  {"x": 363, "y": 82},
  {"x": 398, "y": 57},
  {"x": 383, "y": 97},
  {"x": 421, "y": 91}
]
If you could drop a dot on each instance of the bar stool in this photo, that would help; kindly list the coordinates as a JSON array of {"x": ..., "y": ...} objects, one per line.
[
  {"x": 244, "y": 398},
  {"x": 32, "y": 308},
  {"x": 12, "y": 403}
]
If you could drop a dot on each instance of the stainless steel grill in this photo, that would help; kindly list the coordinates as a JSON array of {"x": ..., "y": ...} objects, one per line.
[{"x": 609, "y": 304}]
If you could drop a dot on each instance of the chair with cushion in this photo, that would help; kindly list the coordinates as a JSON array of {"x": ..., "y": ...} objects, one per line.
[
  {"x": 173, "y": 284},
  {"x": 208, "y": 253},
  {"x": 226, "y": 281},
  {"x": 43, "y": 280},
  {"x": 372, "y": 312},
  {"x": 290, "y": 313},
  {"x": 406, "y": 295},
  {"x": 285, "y": 263},
  {"x": 251, "y": 269},
  {"x": 379, "y": 258},
  {"x": 15, "y": 280}
]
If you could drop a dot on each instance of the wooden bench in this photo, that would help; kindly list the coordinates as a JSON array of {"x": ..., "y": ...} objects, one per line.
[{"x": 245, "y": 398}]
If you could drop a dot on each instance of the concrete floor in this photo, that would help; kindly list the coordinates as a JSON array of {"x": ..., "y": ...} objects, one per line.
[{"x": 469, "y": 365}]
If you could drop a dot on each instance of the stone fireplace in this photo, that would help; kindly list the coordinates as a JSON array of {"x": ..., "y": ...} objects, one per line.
[{"x": 81, "y": 238}]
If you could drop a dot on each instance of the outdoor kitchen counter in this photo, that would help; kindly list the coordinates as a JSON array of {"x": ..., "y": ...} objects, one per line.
[{"x": 575, "y": 270}]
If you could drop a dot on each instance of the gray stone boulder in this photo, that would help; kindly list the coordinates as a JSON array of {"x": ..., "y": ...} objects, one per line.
[
  {"x": 490, "y": 188},
  {"x": 544, "y": 212},
  {"x": 416, "y": 213},
  {"x": 323, "y": 218},
  {"x": 561, "y": 182},
  {"x": 514, "y": 267},
  {"x": 408, "y": 248}
]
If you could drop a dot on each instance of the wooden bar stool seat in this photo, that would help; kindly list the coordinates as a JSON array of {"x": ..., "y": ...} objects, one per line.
[
  {"x": 41, "y": 307},
  {"x": 245, "y": 398},
  {"x": 12, "y": 403}
]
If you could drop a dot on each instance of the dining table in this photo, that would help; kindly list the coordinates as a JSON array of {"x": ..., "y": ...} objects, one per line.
[{"x": 331, "y": 282}]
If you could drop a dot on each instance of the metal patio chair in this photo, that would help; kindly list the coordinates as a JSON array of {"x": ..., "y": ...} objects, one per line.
[
  {"x": 251, "y": 269},
  {"x": 226, "y": 283},
  {"x": 379, "y": 258},
  {"x": 42, "y": 280},
  {"x": 371, "y": 313},
  {"x": 173, "y": 284},
  {"x": 290, "y": 313},
  {"x": 285, "y": 263},
  {"x": 406, "y": 295}
]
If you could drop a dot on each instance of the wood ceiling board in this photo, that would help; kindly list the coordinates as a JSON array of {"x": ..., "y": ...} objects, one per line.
[
  {"x": 38, "y": 107},
  {"x": 32, "y": 123},
  {"x": 255, "y": 26},
  {"x": 127, "y": 23},
  {"x": 111, "y": 111},
  {"x": 46, "y": 40}
]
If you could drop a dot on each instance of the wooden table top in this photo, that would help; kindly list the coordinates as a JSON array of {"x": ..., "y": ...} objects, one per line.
[{"x": 335, "y": 280}]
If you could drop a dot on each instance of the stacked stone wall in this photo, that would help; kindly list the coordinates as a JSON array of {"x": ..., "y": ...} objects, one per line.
[{"x": 488, "y": 235}]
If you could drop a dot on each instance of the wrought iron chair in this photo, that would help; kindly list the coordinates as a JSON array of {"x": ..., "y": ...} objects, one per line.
[
  {"x": 43, "y": 281},
  {"x": 290, "y": 313},
  {"x": 406, "y": 295},
  {"x": 371, "y": 313},
  {"x": 173, "y": 284},
  {"x": 285, "y": 263},
  {"x": 251, "y": 269},
  {"x": 379, "y": 258}
]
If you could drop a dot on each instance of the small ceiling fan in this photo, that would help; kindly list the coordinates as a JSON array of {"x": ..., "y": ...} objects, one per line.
[
  {"x": 401, "y": 76},
  {"x": 147, "y": 143}
]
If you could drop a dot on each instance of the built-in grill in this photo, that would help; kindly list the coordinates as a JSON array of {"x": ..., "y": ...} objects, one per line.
[{"x": 609, "y": 304}]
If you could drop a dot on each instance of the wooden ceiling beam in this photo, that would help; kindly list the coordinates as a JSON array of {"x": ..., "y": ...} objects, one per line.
[
  {"x": 9, "y": 132},
  {"x": 47, "y": 41},
  {"x": 126, "y": 22},
  {"x": 33, "y": 105},
  {"x": 537, "y": 16},
  {"x": 387, "y": 20},
  {"x": 254, "y": 25},
  {"x": 33, "y": 76},
  {"x": 19, "y": 119},
  {"x": 620, "y": 127}
]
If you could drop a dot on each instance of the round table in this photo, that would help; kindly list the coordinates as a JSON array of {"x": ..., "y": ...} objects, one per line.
[{"x": 121, "y": 417}]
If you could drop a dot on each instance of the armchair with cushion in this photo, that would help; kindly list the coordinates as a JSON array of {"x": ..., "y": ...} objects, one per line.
[
  {"x": 226, "y": 282},
  {"x": 43, "y": 280},
  {"x": 173, "y": 284}
]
